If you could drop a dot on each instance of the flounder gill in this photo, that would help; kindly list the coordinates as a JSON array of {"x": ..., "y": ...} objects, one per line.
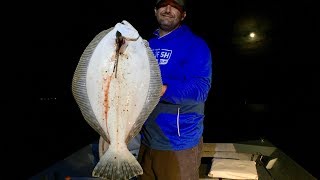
[{"x": 116, "y": 84}]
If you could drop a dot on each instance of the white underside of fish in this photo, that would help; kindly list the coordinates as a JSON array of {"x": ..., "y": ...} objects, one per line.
[{"x": 116, "y": 88}]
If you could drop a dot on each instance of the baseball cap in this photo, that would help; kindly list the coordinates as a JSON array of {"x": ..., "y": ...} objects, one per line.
[{"x": 178, "y": 4}]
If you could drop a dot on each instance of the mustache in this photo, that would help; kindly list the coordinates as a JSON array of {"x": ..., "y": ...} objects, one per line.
[{"x": 167, "y": 14}]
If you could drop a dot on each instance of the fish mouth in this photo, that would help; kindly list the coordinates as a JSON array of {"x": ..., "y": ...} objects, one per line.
[
  {"x": 120, "y": 43},
  {"x": 121, "y": 46}
]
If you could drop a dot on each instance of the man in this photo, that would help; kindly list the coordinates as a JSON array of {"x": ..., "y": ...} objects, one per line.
[{"x": 171, "y": 138}]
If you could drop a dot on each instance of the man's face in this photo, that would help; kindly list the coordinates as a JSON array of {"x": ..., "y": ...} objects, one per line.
[{"x": 169, "y": 16}]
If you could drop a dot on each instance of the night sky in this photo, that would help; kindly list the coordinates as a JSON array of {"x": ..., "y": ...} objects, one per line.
[{"x": 266, "y": 87}]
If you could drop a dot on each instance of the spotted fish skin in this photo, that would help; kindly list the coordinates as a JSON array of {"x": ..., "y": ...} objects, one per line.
[{"x": 116, "y": 84}]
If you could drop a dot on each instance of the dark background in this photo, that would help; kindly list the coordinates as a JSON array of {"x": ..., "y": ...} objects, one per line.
[{"x": 263, "y": 89}]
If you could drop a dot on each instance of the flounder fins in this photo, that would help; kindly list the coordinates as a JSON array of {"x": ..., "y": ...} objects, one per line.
[
  {"x": 79, "y": 82},
  {"x": 116, "y": 165},
  {"x": 153, "y": 94}
]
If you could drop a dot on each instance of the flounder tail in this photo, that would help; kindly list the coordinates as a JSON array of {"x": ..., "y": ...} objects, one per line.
[{"x": 120, "y": 165}]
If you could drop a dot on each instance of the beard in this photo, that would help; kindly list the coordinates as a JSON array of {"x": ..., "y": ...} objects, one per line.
[{"x": 168, "y": 23}]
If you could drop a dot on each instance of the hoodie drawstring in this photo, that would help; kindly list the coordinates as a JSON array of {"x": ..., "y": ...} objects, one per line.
[{"x": 178, "y": 122}]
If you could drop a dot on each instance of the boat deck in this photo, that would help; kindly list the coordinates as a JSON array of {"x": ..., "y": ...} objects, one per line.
[{"x": 80, "y": 164}]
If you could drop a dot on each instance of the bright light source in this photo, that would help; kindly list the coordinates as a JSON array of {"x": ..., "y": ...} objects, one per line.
[{"x": 252, "y": 35}]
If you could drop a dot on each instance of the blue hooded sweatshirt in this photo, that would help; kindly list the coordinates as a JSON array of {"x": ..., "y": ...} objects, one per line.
[{"x": 185, "y": 63}]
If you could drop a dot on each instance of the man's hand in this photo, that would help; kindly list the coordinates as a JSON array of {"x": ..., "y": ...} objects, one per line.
[{"x": 163, "y": 89}]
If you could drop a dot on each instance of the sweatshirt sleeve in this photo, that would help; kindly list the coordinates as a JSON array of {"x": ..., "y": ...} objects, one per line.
[{"x": 195, "y": 86}]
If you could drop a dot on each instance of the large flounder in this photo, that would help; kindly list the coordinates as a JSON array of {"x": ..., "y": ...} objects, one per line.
[{"x": 116, "y": 84}]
